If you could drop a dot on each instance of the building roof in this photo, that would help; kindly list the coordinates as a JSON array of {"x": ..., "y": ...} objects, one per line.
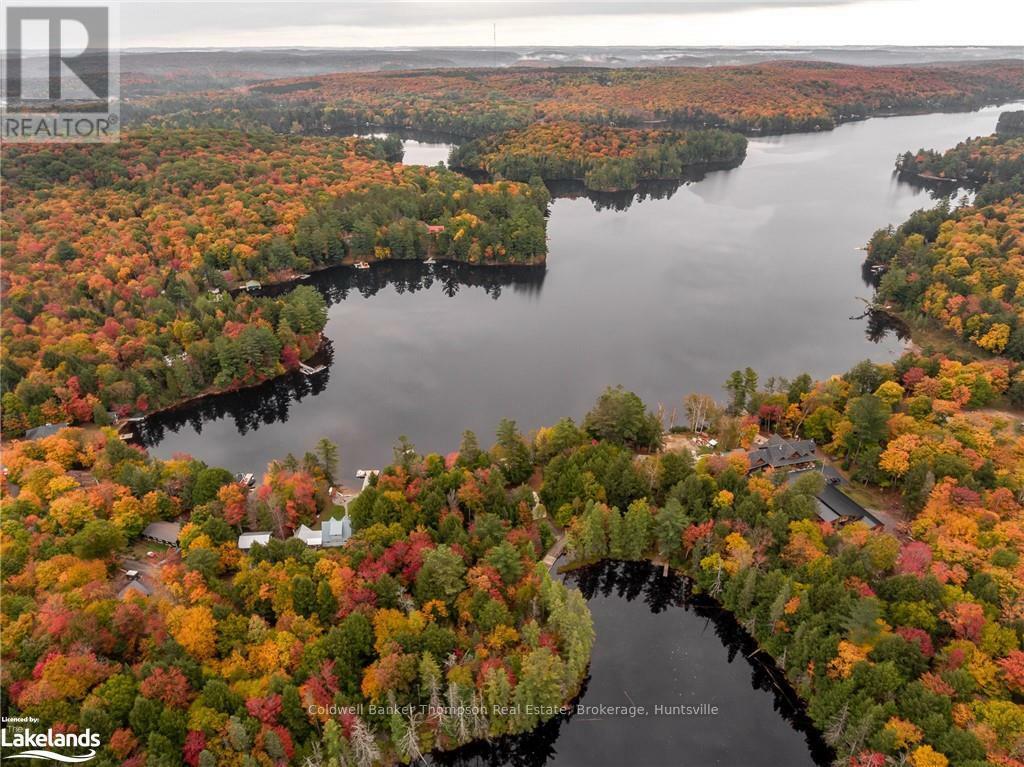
[
  {"x": 308, "y": 536},
  {"x": 45, "y": 431},
  {"x": 779, "y": 452},
  {"x": 164, "y": 532},
  {"x": 335, "y": 532},
  {"x": 134, "y": 587},
  {"x": 834, "y": 504},
  {"x": 246, "y": 540}
]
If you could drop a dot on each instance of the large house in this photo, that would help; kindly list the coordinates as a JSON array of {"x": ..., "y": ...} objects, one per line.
[
  {"x": 836, "y": 506},
  {"x": 833, "y": 504},
  {"x": 779, "y": 452}
]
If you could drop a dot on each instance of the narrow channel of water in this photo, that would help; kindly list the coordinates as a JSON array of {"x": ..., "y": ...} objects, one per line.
[{"x": 658, "y": 647}]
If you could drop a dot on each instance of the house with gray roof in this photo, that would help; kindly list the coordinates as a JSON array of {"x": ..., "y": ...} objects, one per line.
[
  {"x": 335, "y": 532},
  {"x": 779, "y": 452},
  {"x": 46, "y": 430},
  {"x": 310, "y": 537},
  {"x": 836, "y": 506},
  {"x": 166, "y": 533}
]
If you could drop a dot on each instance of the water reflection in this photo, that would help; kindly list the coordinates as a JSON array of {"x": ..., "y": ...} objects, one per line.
[
  {"x": 339, "y": 283},
  {"x": 613, "y": 589},
  {"x": 758, "y": 266},
  {"x": 272, "y": 401},
  {"x": 248, "y": 409}
]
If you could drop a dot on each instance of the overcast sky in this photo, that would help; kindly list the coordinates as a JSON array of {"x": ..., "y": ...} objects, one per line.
[{"x": 396, "y": 23}]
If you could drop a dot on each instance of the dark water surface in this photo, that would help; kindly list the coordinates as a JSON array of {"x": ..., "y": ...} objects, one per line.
[
  {"x": 656, "y": 646},
  {"x": 665, "y": 294}
]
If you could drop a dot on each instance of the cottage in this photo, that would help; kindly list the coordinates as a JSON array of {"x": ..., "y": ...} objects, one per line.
[
  {"x": 247, "y": 540},
  {"x": 335, "y": 532},
  {"x": 166, "y": 533},
  {"x": 46, "y": 430},
  {"x": 310, "y": 537},
  {"x": 778, "y": 452}
]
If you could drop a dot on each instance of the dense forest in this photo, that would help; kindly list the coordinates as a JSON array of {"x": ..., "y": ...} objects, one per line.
[
  {"x": 764, "y": 97},
  {"x": 904, "y": 647},
  {"x": 122, "y": 260},
  {"x": 963, "y": 268},
  {"x": 603, "y": 158},
  {"x": 399, "y": 643}
]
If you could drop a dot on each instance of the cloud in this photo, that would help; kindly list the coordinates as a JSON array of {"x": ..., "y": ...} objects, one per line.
[{"x": 405, "y": 23}]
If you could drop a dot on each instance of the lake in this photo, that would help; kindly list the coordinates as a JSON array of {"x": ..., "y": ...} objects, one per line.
[
  {"x": 658, "y": 646},
  {"x": 665, "y": 292}
]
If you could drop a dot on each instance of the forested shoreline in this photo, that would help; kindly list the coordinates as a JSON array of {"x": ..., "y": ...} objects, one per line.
[
  {"x": 763, "y": 98},
  {"x": 124, "y": 260},
  {"x": 961, "y": 268},
  {"x": 901, "y": 647},
  {"x": 604, "y": 159}
]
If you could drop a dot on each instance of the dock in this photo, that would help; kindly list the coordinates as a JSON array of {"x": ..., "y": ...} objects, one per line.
[
  {"x": 366, "y": 475},
  {"x": 311, "y": 370}
]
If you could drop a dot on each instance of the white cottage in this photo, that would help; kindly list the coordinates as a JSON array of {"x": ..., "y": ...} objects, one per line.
[
  {"x": 246, "y": 540},
  {"x": 310, "y": 537},
  {"x": 336, "y": 531}
]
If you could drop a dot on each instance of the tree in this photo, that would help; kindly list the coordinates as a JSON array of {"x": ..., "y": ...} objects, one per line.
[
  {"x": 737, "y": 388},
  {"x": 636, "y": 530},
  {"x": 700, "y": 411},
  {"x": 469, "y": 450},
  {"x": 668, "y": 528},
  {"x": 619, "y": 416},
  {"x": 327, "y": 453},
  {"x": 97, "y": 540},
  {"x": 208, "y": 482},
  {"x": 512, "y": 453},
  {"x": 441, "y": 576},
  {"x": 869, "y": 416}
]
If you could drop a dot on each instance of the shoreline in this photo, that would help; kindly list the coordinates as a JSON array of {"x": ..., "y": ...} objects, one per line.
[
  {"x": 127, "y": 424},
  {"x": 288, "y": 277}
]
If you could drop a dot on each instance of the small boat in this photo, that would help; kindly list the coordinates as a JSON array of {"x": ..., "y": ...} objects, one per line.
[
  {"x": 362, "y": 265},
  {"x": 302, "y": 276}
]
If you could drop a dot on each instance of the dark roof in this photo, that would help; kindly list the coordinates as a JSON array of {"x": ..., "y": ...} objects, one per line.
[
  {"x": 44, "y": 431},
  {"x": 841, "y": 505},
  {"x": 165, "y": 532},
  {"x": 782, "y": 452}
]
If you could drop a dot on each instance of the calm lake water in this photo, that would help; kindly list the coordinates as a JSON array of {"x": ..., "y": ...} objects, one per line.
[
  {"x": 667, "y": 294},
  {"x": 656, "y": 647}
]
